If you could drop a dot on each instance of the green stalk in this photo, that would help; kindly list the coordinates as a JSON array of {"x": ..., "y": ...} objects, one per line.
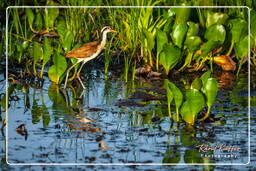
[
  {"x": 207, "y": 114},
  {"x": 230, "y": 49}
]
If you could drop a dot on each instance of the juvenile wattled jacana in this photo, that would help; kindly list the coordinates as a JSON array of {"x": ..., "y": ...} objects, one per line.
[{"x": 87, "y": 52}]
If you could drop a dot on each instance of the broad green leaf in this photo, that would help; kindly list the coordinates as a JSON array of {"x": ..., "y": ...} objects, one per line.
[
  {"x": 182, "y": 14},
  {"x": 169, "y": 57},
  {"x": 161, "y": 40},
  {"x": 209, "y": 46},
  {"x": 39, "y": 21},
  {"x": 210, "y": 91},
  {"x": 193, "y": 29},
  {"x": 47, "y": 50},
  {"x": 68, "y": 41},
  {"x": 50, "y": 15},
  {"x": 193, "y": 43},
  {"x": 192, "y": 106},
  {"x": 196, "y": 84},
  {"x": 37, "y": 51},
  {"x": 215, "y": 32},
  {"x": 205, "y": 77},
  {"x": 238, "y": 29},
  {"x": 169, "y": 95},
  {"x": 177, "y": 95},
  {"x": 61, "y": 29},
  {"x": 149, "y": 38},
  {"x": 58, "y": 69},
  {"x": 215, "y": 18},
  {"x": 241, "y": 48},
  {"x": 31, "y": 17},
  {"x": 178, "y": 34}
]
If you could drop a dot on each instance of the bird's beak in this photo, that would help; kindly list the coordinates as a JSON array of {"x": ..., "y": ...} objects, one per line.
[{"x": 113, "y": 31}]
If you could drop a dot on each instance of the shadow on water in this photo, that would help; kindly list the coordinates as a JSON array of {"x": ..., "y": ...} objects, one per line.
[{"x": 116, "y": 122}]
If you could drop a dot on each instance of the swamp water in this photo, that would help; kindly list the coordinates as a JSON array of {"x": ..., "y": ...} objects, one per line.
[{"x": 117, "y": 122}]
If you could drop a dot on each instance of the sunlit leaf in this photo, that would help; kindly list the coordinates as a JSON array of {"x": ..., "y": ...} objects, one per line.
[
  {"x": 37, "y": 53},
  {"x": 178, "y": 34},
  {"x": 241, "y": 48},
  {"x": 193, "y": 43},
  {"x": 68, "y": 41},
  {"x": 58, "y": 69},
  {"x": 31, "y": 17},
  {"x": 238, "y": 29},
  {"x": 161, "y": 40},
  {"x": 169, "y": 57},
  {"x": 50, "y": 15},
  {"x": 182, "y": 14},
  {"x": 192, "y": 106},
  {"x": 209, "y": 46},
  {"x": 149, "y": 38},
  {"x": 39, "y": 21},
  {"x": 216, "y": 32},
  {"x": 205, "y": 77},
  {"x": 193, "y": 29},
  {"x": 210, "y": 91},
  {"x": 177, "y": 95},
  {"x": 215, "y": 18},
  {"x": 196, "y": 84},
  {"x": 253, "y": 23},
  {"x": 61, "y": 29},
  {"x": 47, "y": 50}
]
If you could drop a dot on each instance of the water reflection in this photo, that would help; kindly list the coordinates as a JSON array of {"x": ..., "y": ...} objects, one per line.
[{"x": 101, "y": 125}]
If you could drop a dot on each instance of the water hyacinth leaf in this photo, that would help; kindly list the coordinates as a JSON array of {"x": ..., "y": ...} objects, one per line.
[
  {"x": 210, "y": 91},
  {"x": 31, "y": 17},
  {"x": 61, "y": 30},
  {"x": 238, "y": 29},
  {"x": 169, "y": 57},
  {"x": 58, "y": 69},
  {"x": 196, "y": 84},
  {"x": 192, "y": 106},
  {"x": 50, "y": 15},
  {"x": 149, "y": 38},
  {"x": 205, "y": 77},
  {"x": 193, "y": 43},
  {"x": 161, "y": 40},
  {"x": 68, "y": 41},
  {"x": 178, "y": 34},
  {"x": 241, "y": 48},
  {"x": 178, "y": 97},
  {"x": 209, "y": 46},
  {"x": 47, "y": 50},
  {"x": 193, "y": 29},
  {"x": 215, "y": 32},
  {"x": 37, "y": 53},
  {"x": 215, "y": 18},
  {"x": 182, "y": 14},
  {"x": 169, "y": 95},
  {"x": 39, "y": 21}
]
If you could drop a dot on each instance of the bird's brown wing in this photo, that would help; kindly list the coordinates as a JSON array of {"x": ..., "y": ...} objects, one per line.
[{"x": 86, "y": 50}]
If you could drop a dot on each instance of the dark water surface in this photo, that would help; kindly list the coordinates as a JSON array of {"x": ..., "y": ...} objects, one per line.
[{"x": 117, "y": 122}]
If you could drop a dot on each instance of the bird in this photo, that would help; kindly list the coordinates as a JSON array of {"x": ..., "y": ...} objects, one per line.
[{"x": 87, "y": 52}]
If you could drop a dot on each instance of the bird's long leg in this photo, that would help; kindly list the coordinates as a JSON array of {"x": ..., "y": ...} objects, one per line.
[
  {"x": 78, "y": 74},
  {"x": 68, "y": 73}
]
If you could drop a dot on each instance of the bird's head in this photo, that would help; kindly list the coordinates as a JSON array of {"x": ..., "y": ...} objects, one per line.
[{"x": 107, "y": 29}]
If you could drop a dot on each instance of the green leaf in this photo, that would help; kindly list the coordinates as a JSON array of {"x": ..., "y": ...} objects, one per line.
[
  {"x": 58, "y": 69},
  {"x": 178, "y": 34},
  {"x": 39, "y": 21},
  {"x": 215, "y": 18},
  {"x": 210, "y": 91},
  {"x": 205, "y": 77},
  {"x": 31, "y": 17},
  {"x": 37, "y": 54},
  {"x": 149, "y": 38},
  {"x": 238, "y": 29},
  {"x": 68, "y": 41},
  {"x": 193, "y": 43},
  {"x": 209, "y": 46},
  {"x": 47, "y": 50},
  {"x": 61, "y": 29},
  {"x": 169, "y": 95},
  {"x": 169, "y": 57},
  {"x": 161, "y": 40},
  {"x": 50, "y": 15},
  {"x": 177, "y": 95},
  {"x": 192, "y": 106},
  {"x": 182, "y": 14},
  {"x": 241, "y": 48},
  {"x": 196, "y": 84},
  {"x": 193, "y": 29},
  {"x": 215, "y": 32}
]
